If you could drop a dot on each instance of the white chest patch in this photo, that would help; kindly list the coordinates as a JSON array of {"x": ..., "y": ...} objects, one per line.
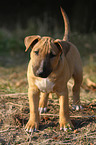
[{"x": 44, "y": 85}]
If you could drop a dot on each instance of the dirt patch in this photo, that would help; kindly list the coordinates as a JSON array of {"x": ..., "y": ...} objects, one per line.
[{"x": 14, "y": 114}]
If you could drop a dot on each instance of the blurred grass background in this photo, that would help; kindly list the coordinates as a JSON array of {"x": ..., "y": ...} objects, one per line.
[{"x": 12, "y": 42}]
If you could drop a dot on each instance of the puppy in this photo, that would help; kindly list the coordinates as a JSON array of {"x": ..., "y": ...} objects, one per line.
[{"x": 52, "y": 64}]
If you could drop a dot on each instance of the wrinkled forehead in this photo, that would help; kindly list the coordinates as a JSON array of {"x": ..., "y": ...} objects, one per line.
[
  {"x": 47, "y": 40},
  {"x": 46, "y": 44}
]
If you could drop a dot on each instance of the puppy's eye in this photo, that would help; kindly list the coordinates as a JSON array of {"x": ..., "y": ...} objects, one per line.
[
  {"x": 36, "y": 52},
  {"x": 52, "y": 55}
]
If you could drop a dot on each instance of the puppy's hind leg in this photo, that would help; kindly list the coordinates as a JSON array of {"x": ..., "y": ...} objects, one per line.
[
  {"x": 78, "y": 77},
  {"x": 43, "y": 102}
]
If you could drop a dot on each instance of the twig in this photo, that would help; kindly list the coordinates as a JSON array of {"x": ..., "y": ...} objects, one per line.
[
  {"x": 15, "y": 94},
  {"x": 30, "y": 139},
  {"x": 54, "y": 131},
  {"x": 46, "y": 141},
  {"x": 49, "y": 114},
  {"x": 13, "y": 104},
  {"x": 4, "y": 130},
  {"x": 85, "y": 136},
  {"x": 91, "y": 133},
  {"x": 89, "y": 116},
  {"x": 9, "y": 129}
]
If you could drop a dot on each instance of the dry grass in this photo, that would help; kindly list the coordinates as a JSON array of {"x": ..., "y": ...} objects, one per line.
[{"x": 14, "y": 113}]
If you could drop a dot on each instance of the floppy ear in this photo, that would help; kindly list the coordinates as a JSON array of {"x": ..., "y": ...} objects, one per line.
[
  {"x": 63, "y": 46},
  {"x": 31, "y": 41}
]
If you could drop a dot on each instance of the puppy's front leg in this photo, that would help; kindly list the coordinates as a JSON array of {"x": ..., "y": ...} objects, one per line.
[
  {"x": 64, "y": 119},
  {"x": 43, "y": 102},
  {"x": 33, "y": 123}
]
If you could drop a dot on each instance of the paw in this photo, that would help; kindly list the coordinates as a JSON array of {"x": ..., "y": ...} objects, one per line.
[
  {"x": 32, "y": 126},
  {"x": 77, "y": 107},
  {"x": 42, "y": 110},
  {"x": 66, "y": 126}
]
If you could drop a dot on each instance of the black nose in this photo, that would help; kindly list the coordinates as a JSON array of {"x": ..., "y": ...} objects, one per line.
[
  {"x": 44, "y": 69},
  {"x": 42, "y": 74}
]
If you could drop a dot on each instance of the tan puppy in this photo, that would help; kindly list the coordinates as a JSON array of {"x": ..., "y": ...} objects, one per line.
[{"x": 52, "y": 64}]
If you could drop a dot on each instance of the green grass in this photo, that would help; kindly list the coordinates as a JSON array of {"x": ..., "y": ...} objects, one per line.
[
  {"x": 86, "y": 44},
  {"x": 13, "y": 80}
]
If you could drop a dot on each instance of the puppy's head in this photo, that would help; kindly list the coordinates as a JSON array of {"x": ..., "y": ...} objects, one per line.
[{"x": 45, "y": 54}]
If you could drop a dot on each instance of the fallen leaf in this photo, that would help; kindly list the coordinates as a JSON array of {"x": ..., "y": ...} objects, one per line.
[
  {"x": 76, "y": 131},
  {"x": 14, "y": 75},
  {"x": 91, "y": 144},
  {"x": 55, "y": 137},
  {"x": 90, "y": 83},
  {"x": 50, "y": 96},
  {"x": 21, "y": 82},
  {"x": 46, "y": 118}
]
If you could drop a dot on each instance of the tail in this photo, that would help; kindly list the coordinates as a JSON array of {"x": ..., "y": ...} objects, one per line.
[{"x": 67, "y": 26}]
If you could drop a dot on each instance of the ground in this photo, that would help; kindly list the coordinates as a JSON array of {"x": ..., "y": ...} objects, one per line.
[{"x": 14, "y": 113}]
